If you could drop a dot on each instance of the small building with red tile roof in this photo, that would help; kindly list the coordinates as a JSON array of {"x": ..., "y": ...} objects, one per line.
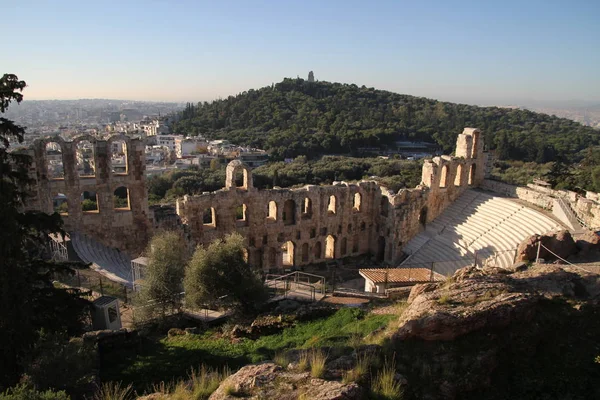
[{"x": 377, "y": 280}]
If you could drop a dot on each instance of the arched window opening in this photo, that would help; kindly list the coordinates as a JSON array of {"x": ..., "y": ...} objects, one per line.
[
  {"x": 357, "y": 202},
  {"x": 89, "y": 202},
  {"x": 363, "y": 226},
  {"x": 307, "y": 208},
  {"x": 287, "y": 254},
  {"x": 317, "y": 251},
  {"x": 272, "y": 215},
  {"x": 121, "y": 198},
  {"x": 118, "y": 157},
  {"x": 54, "y": 161},
  {"x": 60, "y": 204},
  {"x": 444, "y": 177},
  {"x": 472, "y": 173},
  {"x": 245, "y": 255},
  {"x": 344, "y": 246},
  {"x": 384, "y": 206},
  {"x": 458, "y": 178},
  {"x": 209, "y": 217},
  {"x": 305, "y": 252},
  {"x": 349, "y": 228},
  {"x": 330, "y": 247},
  {"x": 240, "y": 213},
  {"x": 86, "y": 163},
  {"x": 355, "y": 243},
  {"x": 240, "y": 178},
  {"x": 331, "y": 206},
  {"x": 289, "y": 212}
]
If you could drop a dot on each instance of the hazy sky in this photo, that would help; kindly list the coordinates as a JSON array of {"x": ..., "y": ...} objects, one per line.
[{"x": 485, "y": 51}]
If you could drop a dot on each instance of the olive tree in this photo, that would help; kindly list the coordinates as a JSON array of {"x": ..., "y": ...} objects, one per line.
[{"x": 221, "y": 275}]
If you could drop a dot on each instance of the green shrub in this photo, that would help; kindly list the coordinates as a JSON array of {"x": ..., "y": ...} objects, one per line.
[{"x": 26, "y": 392}]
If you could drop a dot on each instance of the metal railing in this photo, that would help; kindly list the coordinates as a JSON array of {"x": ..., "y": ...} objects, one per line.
[{"x": 300, "y": 282}]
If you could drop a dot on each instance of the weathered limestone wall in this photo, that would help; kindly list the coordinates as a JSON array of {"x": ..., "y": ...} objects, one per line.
[
  {"x": 127, "y": 228},
  {"x": 380, "y": 224},
  {"x": 282, "y": 227},
  {"x": 586, "y": 208}
]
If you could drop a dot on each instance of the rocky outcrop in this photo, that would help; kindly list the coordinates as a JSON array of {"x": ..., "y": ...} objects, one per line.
[
  {"x": 478, "y": 299},
  {"x": 588, "y": 242},
  {"x": 270, "y": 381},
  {"x": 560, "y": 243}
]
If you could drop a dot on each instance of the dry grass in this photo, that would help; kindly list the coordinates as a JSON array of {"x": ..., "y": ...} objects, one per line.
[
  {"x": 200, "y": 385},
  {"x": 360, "y": 370},
  {"x": 282, "y": 359},
  {"x": 114, "y": 391},
  {"x": 385, "y": 384},
  {"x": 304, "y": 362},
  {"x": 317, "y": 363}
]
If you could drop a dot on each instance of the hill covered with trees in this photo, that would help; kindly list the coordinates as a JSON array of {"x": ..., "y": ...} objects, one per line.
[{"x": 296, "y": 117}]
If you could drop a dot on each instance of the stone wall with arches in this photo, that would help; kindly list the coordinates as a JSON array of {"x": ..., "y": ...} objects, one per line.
[
  {"x": 296, "y": 227},
  {"x": 107, "y": 199},
  {"x": 95, "y": 194}
]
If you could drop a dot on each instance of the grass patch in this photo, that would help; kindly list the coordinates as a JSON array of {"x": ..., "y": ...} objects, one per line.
[
  {"x": 114, "y": 391},
  {"x": 170, "y": 359},
  {"x": 444, "y": 299},
  {"x": 317, "y": 363},
  {"x": 282, "y": 359},
  {"x": 385, "y": 385},
  {"x": 360, "y": 370},
  {"x": 303, "y": 363}
]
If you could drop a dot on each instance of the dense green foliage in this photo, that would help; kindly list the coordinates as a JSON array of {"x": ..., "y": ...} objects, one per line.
[
  {"x": 173, "y": 357},
  {"x": 26, "y": 392},
  {"x": 296, "y": 117},
  {"x": 161, "y": 286},
  {"x": 28, "y": 300},
  {"x": 221, "y": 276},
  {"x": 581, "y": 176},
  {"x": 392, "y": 173}
]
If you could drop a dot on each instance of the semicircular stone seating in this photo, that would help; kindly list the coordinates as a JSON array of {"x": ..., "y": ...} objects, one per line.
[
  {"x": 477, "y": 226},
  {"x": 108, "y": 261}
]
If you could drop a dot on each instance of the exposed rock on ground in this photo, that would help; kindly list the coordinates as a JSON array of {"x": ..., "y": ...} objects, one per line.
[
  {"x": 477, "y": 299},
  {"x": 496, "y": 334},
  {"x": 270, "y": 381},
  {"x": 560, "y": 243}
]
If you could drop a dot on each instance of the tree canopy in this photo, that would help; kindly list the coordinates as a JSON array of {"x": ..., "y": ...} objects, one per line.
[
  {"x": 221, "y": 275},
  {"x": 163, "y": 277},
  {"x": 296, "y": 117},
  {"x": 29, "y": 302}
]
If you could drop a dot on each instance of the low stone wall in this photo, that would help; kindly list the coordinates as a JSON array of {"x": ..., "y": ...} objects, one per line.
[
  {"x": 528, "y": 194},
  {"x": 586, "y": 208}
]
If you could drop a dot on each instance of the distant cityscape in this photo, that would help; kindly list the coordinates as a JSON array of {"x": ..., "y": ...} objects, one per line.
[{"x": 102, "y": 118}]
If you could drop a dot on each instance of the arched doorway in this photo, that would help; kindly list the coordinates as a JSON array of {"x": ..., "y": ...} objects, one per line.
[
  {"x": 330, "y": 247},
  {"x": 287, "y": 254}
]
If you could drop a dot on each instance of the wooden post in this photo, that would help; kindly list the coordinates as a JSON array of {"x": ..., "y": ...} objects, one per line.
[
  {"x": 537, "y": 257},
  {"x": 101, "y": 289}
]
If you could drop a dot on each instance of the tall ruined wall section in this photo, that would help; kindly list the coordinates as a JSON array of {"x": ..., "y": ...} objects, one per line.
[
  {"x": 285, "y": 227},
  {"x": 443, "y": 180},
  {"x": 281, "y": 227},
  {"x": 299, "y": 226},
  {"x": 127, "y": 228}
]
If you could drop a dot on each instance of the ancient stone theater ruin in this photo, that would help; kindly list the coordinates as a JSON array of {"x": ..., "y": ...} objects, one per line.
[{"x": 283, "y": 228}]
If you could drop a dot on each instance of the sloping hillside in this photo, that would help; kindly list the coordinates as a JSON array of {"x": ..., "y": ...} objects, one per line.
[{"x": 297, "y": 117}]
